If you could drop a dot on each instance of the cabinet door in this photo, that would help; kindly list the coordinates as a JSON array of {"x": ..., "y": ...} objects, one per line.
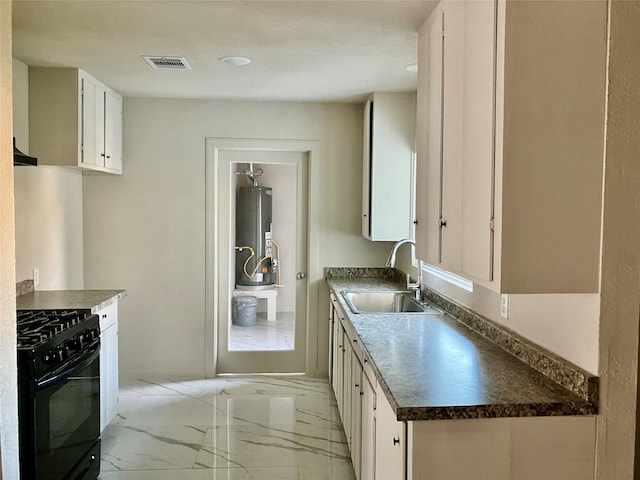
[
  {"x": 356, "y": 412},
  {"x": 367, "y": 433},
  {"x": 92, "y": 123},
  {"x": 439, "y": 137},
  {"x": 113, "y": 132},
  {"x": 111, "y": 383},
  {"x": 338, "y": 363},
  {"x": 347, "y": 388},
  {"x": 367, "y": 145},
  {"x": 390, "y": 441},
  {"x": 430, "y": 110},
  {"x": 478, "y": 157},
  {"x": 387, "y": 166},
  {"x": 331, "y": 345},
  {"x": 108, "y": 364},
  {"x": 451, "y": 173}
]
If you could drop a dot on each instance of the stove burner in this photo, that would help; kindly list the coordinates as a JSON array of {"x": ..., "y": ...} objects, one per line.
[{"x": 35, "y": 328}]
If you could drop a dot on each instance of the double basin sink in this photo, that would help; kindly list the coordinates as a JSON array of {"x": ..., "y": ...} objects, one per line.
[{"x": 386, "y": 302}]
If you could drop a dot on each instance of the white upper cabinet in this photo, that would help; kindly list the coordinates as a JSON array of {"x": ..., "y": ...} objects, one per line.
[
  {"x": 74, "y": 120},
  {"x": 439, "y": 138},
  {"x": 388, "y": 166},
  {"x": 510, "y": 142}
]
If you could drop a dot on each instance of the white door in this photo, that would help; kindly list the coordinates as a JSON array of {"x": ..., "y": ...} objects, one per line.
[{"x": 275, "y": 343}]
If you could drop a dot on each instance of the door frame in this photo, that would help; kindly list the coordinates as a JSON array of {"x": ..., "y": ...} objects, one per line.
[{"x": 213, "y": 148}]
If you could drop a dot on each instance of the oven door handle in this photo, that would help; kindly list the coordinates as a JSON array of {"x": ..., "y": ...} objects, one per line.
[{"x": 72, "y": 369}]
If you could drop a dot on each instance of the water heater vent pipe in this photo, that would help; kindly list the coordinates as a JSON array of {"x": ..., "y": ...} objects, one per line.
[{"x": 253, "y": 174}]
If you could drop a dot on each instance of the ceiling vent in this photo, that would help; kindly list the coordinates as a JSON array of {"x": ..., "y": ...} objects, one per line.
[{"x": 167, "y": 63}]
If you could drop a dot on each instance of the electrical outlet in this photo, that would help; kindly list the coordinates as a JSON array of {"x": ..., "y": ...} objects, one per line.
[
  {"x": 36, "y": 277},
  {"x": 504, "y": 305}
]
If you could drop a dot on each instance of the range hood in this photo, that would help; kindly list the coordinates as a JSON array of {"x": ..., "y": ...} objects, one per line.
[{"x": 20, "y": 159}]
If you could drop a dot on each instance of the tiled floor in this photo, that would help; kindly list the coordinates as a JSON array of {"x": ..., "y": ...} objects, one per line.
[
  {"x": 227, "y": 428},
  {"x": 264, "y": 335}
]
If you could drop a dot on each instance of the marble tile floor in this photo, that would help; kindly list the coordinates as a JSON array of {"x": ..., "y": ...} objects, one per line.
[
  {"x": 264, "y": 335},
  {"x": 226, "y": 428}
]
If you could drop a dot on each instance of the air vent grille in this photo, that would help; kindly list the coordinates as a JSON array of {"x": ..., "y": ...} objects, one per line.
[{"x": 167, "y": 63}]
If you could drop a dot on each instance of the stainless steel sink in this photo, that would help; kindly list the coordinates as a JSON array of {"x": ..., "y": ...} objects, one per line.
[{"x": 386, "y": 302}]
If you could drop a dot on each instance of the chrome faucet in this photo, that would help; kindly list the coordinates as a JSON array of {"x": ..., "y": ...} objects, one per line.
[{"x": 391, "y": 263}]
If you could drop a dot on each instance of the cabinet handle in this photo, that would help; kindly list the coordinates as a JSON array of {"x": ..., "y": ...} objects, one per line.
[
  {"x": 355, "y": 341},
  {"x": 415, "y": 222},
  {"x": 443, "y": 223},
  {"x": 104, "y": 315},
  {"x": 108, "y": 156},
  {"x": 102, "y": 154},
  {"x": 396, "y": 441},
  {"x": 356, "y": 386}
]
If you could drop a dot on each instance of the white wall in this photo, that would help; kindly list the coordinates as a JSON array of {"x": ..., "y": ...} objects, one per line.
[
  {"x": 564, "y": 324},
  {"x": 21, "y": 105},
  {"x": 48, "y": 202},
  {"x": 9, "y": 468},
  {"x": 144, "y": 231},
  {"x": 48, "y": 209},
  {"x": 619, "y": 419}
]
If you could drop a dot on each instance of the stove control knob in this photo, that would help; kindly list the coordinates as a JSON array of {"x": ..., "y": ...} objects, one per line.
[
  {"x": 73, "y": 345},
  {"x": 55, "y": 356},
  {"x": 49, "y": 358},
  {"x": 61, "y": 354}
]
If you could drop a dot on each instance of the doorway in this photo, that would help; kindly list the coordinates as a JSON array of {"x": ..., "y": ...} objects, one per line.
[{"x": 276, "y": 338}]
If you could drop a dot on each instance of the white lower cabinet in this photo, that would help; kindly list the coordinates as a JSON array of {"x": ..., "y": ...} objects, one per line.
[
  {"x": 108, "y": 364},
  {"x": 353, "y": 383},
  {"x": 383, "y": 448}
]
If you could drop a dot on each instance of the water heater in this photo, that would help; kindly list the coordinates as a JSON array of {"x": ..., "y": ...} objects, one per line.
[{"x": 254, "y": 247}]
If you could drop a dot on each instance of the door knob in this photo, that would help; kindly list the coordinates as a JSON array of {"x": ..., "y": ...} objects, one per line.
[{"x": 301, "y": 275}]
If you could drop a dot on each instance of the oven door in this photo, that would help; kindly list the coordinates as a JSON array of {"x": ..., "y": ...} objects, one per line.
[{"x": 67, "y": 417}]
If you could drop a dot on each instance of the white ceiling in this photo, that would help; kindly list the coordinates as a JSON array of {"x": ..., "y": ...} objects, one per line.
[{"x": 300, "y": 50}]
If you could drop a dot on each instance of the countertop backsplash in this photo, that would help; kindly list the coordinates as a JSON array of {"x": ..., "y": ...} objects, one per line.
[{"x": 24, "y": 287}]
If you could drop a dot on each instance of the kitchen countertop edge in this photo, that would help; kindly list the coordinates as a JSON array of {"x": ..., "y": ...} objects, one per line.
[{"x": 93, "y": 300}]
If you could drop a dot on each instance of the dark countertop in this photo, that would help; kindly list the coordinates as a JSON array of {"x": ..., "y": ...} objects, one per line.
[
  {"x": 435, "y": 367},
  {"x": 93, "y": 300}
]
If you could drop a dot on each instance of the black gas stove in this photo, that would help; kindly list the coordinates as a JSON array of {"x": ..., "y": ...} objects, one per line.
[{"x": 59, "y": 394}]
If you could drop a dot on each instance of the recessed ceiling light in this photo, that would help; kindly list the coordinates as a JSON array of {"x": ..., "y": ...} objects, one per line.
[
  {"x": 236, "y": 61},
  {"x": 412, "y": 68}
]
